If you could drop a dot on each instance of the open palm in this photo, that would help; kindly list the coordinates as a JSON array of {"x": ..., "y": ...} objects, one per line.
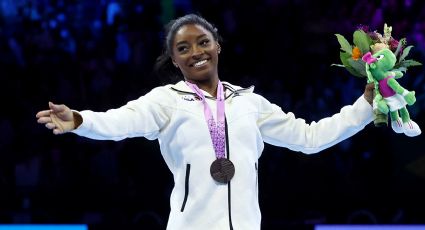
[{"x": 59, "y": 118}]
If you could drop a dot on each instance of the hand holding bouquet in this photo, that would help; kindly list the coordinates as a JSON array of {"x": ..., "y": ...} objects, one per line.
[{"x": 363, "y": 59}]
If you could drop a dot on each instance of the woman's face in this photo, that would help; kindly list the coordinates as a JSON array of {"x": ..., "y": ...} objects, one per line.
[{"x": 195, "y": 52}]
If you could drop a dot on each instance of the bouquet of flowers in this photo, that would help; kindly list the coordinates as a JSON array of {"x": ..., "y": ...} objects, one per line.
[{"x": 365, "y": 41}]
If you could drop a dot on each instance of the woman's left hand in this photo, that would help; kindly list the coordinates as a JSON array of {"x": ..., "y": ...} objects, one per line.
[{"x": 369, "y": 92}]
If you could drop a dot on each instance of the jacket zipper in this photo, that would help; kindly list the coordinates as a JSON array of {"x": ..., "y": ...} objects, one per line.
[
  {"x": 186, "y": 187},
  {"x": 228, "y": 183}
]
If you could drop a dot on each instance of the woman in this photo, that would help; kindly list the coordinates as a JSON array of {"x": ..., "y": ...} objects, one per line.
[{"x": 211, "y": 133}]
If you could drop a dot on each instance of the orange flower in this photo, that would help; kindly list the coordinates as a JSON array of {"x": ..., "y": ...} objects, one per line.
[{"x": 356, "y": 53}]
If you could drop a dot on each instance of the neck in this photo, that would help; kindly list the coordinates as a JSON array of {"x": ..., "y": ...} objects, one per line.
[{"x": 209, "y": 85}]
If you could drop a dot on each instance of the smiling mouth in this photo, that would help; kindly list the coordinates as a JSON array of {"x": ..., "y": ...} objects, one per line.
[{"x": 200, "y": 63}]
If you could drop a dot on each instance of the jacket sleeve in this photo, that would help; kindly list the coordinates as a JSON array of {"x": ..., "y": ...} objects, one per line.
[
  {"x": 283, "y": 129},
  {"x": 145, "y": 117}
]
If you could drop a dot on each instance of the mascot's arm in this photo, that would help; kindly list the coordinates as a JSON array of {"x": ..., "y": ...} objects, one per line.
[
  {"x": 398, "y": 74},
  {"x": 409, "y": 96}
]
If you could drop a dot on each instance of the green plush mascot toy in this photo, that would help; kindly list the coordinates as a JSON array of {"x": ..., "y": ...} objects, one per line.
[{"x": 390, "y": 96}]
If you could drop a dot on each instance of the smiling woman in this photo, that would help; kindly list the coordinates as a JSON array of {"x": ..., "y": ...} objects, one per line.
[
  {"x": 192, "y": 46},
  {"x": 195, "y": 53},
  {"x": 211, "y": 133}
]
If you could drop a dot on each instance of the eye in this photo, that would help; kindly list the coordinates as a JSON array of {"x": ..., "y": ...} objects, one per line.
[
  {"x": 380, "y": 57},
  {"x": 204, "y": 42},
  {"x": 182, "y": 49}
]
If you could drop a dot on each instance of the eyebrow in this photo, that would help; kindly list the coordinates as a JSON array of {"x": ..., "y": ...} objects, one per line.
[{"x": 198, "y": 37}]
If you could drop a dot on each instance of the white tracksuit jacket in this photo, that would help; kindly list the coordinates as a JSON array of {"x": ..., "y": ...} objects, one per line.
[{"x": 173, "y": 115}]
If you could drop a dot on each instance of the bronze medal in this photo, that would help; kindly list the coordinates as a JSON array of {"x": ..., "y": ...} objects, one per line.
[{"x": 222, "y": 170}]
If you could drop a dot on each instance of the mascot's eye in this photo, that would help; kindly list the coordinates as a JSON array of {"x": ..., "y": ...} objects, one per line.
[{"x": 380, "y": 57}]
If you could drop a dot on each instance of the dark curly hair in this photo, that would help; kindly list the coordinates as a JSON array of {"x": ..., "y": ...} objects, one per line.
[{"x": 164, "y": 67}]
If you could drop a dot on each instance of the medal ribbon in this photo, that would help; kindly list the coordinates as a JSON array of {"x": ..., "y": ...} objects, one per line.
[{"x": 217, "y": 130}]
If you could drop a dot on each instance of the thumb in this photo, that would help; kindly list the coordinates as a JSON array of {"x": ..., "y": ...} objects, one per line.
[{"x": 56, "y": 108}]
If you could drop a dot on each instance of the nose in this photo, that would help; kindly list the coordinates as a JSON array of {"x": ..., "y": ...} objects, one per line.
[{"x": 197, "y": 52}]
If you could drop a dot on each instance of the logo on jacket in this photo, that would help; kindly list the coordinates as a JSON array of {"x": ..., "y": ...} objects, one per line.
[{"x": 191, "y": 98}]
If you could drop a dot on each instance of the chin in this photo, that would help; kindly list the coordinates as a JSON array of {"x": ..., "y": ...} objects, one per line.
[
  {"x": 205, "y": 77},
  {"x": 201, "y": 76}
]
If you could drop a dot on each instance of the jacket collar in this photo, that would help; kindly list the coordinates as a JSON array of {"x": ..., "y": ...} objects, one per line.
[{"x": 230, "y": 90}]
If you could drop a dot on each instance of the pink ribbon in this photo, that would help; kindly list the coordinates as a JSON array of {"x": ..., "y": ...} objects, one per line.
[
  {"x": 217, "y": 129},
  {"x": 368, "y": 58}
]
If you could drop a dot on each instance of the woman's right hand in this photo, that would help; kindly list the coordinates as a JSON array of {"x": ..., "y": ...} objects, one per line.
[{"x": 59, "y": 118}]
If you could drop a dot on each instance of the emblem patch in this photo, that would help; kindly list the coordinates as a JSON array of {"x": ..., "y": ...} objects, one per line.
[{"x": 190, "y": 98}]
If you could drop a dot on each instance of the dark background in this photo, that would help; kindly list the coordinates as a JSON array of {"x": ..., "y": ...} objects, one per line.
[{"x": 84, "y": 55}]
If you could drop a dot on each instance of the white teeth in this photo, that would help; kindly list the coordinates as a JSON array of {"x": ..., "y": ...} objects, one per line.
[{"x": 199, "y": 63}]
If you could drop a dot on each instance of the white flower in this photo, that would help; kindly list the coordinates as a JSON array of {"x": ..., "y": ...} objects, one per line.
[{"x": 378, "y": 46}]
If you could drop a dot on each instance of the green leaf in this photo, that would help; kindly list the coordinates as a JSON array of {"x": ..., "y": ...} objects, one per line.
[
  {"x": 410, "y": 62},
  {"x": 401, "y": 43},
  {"x": 344, "y": 59},
  {"x": 405, "y": 53},
  {"x": 359, "y": 66},
  {"x": 362, "y": 41},
  {"x": 401, "y": 69},
  {"x": 345, "y": 45}
]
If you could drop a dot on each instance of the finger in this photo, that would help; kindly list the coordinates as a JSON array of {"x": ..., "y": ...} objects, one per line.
[
  {"x": 57, "y": 131},
  {"x": 370, "y": 86},
  {"x": 50, "y": 125},
  {"x": 43, "y": 120},
  {"x": 43, "y": 113},
  {"x": 57, "y": 108}
]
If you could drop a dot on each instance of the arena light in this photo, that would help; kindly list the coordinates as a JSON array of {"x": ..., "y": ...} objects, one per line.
[
  {"x": 43, "y": 227},
  {"x": 369, "y": 227}
]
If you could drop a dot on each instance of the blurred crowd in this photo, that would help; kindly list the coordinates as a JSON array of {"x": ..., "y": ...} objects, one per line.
[{"x": 99, "y": 54}]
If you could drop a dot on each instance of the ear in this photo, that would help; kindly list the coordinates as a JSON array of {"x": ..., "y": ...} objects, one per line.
[
  {"x": 218, "y": 48},
  {"x": 174, "y": 63}
]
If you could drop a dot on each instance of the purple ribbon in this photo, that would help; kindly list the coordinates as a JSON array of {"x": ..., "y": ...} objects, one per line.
[{"x": 217, "y": 130}]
